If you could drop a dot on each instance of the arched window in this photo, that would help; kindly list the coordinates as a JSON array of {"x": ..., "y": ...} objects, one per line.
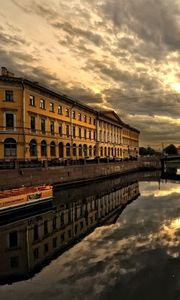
[
  {"x": 101, "y": 151},
  {"x": 111, "y": 151},
  {"x": 94, "y": 150},
  {"x": 115, "y": 152},
  {"x": 105, "y": 151},
  {"x": 10, "y": 147},
  {"x": 90, "y": 150},
  {"x": 74, "y": 149},
  {"x": 43, "y": 148},
  {"x": 52, "y": 149},
  {"x": 33, "y": 148},
  {"x": 61, "y": 149},
  {"x": 80, "y": 150},
  {"x": 118, "y": 152},
  {"x": 85, "y": 150},
  {"x": 67, "y": 150}
]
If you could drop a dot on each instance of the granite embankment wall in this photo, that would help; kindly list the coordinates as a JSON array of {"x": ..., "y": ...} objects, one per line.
[{"x": 69, "y": 174}]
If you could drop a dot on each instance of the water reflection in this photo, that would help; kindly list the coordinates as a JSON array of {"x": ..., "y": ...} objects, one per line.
[
  {"x": 31, "y": 243},
  {"x": 137, "y": 257}
]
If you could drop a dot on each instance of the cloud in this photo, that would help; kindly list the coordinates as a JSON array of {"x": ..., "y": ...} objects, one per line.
[
  {"x": 126, "y": 51},
  {"x": 76, "y": 32}
]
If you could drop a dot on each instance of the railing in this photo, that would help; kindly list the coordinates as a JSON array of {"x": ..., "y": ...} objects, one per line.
[{"x": 61, "y": 162}]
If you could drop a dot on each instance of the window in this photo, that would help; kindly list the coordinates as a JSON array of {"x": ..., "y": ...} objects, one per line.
[
  {"x": 9, "y": 96},
  {"x": 67, "y": 112},
  {"x": 14, "y": 262},
  {"x": 59, "y": 109},
  {"x": 62, "y": 219},
  {"x": 85, "y": 150},
  {"x": 90, "y": 150},
  {"x": 32, "y": 100},
  {"x": 52, "y": 149},
  {"x": 61, "y": 149},
  {"x": 90, "y": 134},
  {"x": 94, "y": 150},
  {"x": 45, "y": 227},
  {"x": 90, "y": 120},
  {"x": 74, "y": 114},
  {"x": 42, "y": 103},
  {"x": 74, "y": 149},
  {"x": 9, "y": 121},
  {"x": 68, "y": 150},
  {"x": 54, "y": 223},
  {"x": 101, "y": 151},
  {"x": 81, "y": 224},
  {"x": 74, "y": 131},
  {"x": 54, "y": 242},
  {"x": 52, "y": 127},
  {"x": 79, "y": 116},
  {"x": 79, "y": 132},
  {"x": 67, "y": 130},
  {"x": 36, "y": 253},
  {"x": 76, "y": 229},
  {"x": 43, "y": 148},
  {"x": 36, "y": 232},
  {"x": 85, "y": 133},
  {"x": 60, "y": 129},
  {"x": 85, "y": 118},
  {"x": 94, "y": 121},
  {"x": 94, "y": 135},
  {"x": 80, "y": 150},
  {"x": 33, "y": 147},
  {"x": 46, "y": 248},
  {"x": 10, "y": 147},
  {"x": 43, "y": 125},
  {"x": 33, "y": 123},
  {"x": 13, "y": 239},
  {"x": 51, "y": 107},
  {"x": 62, "y": 237}
]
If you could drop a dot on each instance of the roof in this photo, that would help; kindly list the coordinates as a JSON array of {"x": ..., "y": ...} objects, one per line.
[{"x": 111, "y": 114}]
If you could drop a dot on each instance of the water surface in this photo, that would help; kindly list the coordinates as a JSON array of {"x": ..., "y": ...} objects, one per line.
[{"x": 133, "y": 254}]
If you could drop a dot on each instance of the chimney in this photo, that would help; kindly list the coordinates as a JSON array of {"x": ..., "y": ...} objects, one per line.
[{"x": 6, "y": 73}]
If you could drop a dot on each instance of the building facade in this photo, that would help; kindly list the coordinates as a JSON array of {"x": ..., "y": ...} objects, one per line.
[{"x": 39, "y": 124}]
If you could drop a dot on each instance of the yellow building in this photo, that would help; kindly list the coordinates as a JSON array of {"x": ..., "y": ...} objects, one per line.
[
  {"x": 114, "y": 137},
  {"x": 38, "y": 124}
]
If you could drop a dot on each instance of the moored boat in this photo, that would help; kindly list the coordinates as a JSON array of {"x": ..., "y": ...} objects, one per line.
[{"x": 24, "y": 196}]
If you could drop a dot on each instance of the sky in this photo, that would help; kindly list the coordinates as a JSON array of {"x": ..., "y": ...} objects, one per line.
[{"x": 122, "y": 55}]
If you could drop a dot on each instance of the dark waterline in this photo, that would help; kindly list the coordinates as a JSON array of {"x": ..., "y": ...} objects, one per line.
[{"x": 122, "y": 251}]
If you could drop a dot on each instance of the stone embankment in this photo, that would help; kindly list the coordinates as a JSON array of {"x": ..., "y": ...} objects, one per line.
[{"x": 66, "y": 175}]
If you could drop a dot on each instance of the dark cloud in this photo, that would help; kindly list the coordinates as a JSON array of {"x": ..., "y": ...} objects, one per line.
[
  {"x": 76, "y": 32},
  {"x": 11, "y": 39},
  {"x": 144, "y": 104},
  {"x": 128, "y": 48},
  {"x": 152, "y": 21}
]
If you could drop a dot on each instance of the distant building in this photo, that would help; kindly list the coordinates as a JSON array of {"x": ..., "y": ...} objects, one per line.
[{"x": 39, "y": 124}]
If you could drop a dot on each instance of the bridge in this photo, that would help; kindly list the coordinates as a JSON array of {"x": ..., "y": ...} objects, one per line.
[
  {"x": 171, "y": 167},
  {"x": 171, "y": 158}
]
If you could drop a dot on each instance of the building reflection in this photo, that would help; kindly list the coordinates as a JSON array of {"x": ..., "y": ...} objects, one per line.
[{"x": 30, "y": 243}]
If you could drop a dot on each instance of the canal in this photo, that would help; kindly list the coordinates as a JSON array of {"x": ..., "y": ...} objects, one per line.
[{"x": 114, "y": 239}]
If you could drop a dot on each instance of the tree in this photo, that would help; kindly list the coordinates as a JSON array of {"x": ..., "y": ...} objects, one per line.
[
  {"x": 170, "y": 150},
  {"x": 146, "y": 151}
]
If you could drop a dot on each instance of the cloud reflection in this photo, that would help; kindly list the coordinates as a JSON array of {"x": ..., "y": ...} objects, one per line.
[{"x": 136, "y": 258}]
